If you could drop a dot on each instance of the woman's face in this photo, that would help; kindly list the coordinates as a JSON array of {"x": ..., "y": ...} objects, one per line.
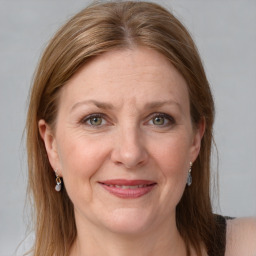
[{"x": 123, "y": 141}]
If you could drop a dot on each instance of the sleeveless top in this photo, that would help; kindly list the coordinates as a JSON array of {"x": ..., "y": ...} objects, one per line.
[{"x": 220, "y": 239}]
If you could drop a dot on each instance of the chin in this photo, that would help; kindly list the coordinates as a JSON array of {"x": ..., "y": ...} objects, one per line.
[{"x": 129, "y": 221}]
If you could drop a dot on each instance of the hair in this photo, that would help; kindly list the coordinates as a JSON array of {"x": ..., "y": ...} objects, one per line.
[{"x": 97, "y": 29}]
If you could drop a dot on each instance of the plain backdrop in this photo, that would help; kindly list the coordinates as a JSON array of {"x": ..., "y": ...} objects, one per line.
[{"x": 225, "y": 33}]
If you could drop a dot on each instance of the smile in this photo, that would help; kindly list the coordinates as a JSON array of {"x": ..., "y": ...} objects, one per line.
[{"x": 128, "y": 188}]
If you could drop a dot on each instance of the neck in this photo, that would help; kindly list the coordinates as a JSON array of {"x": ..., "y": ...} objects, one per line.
[{"x": 163, "y": 240}]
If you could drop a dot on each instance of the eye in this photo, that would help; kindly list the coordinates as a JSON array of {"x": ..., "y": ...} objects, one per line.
[
  {"x": 161, "y": 119},
  {"x": 158, "y": 120},
  {"x": 94, "y": 120}
]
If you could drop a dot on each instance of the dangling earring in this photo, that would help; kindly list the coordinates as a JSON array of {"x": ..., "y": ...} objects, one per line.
[
  {"x": 189, "y": 178},
  {"x": 58, "y": 182}
]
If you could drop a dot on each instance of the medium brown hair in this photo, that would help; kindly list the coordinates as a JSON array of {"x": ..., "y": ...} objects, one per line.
[{"x": 97, "y": 29}]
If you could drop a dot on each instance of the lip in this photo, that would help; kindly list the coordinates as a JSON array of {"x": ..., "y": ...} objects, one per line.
[{"x": 128, "y": 188}]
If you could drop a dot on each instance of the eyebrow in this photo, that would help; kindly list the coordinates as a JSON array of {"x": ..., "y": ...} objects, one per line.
[
  {"x": 98, "y": 104},
  {"x": 158, "y": 104},
  {"x": 104, "y": 105}
]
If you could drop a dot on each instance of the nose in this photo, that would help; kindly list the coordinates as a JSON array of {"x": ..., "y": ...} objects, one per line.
[{"x": 129, "y": 148}]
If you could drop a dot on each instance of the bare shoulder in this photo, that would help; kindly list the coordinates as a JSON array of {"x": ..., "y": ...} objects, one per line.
[{"x": 241, "y": 237}]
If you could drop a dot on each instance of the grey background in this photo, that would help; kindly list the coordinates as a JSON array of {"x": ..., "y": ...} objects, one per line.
[{"x": 225, "y": 33}]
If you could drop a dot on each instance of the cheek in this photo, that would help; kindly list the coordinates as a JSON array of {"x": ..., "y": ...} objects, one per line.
[
  {"x": 80, "y": 159},
  {"x": 173, "y": 159},
  {"x": 173, "y": 156}
]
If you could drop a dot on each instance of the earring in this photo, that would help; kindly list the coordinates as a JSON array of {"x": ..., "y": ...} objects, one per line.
[
  {"x": 189, "y": 178},
  {"x": 58, "y": 182}
]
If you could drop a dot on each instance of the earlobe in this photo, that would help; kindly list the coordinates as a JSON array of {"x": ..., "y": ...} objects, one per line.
[
  {"x": 48, "y": 137},
  {"x": 198, "y": 135}
]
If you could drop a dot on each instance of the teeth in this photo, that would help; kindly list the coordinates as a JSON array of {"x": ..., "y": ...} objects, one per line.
[{"x": 127, "y": 187}]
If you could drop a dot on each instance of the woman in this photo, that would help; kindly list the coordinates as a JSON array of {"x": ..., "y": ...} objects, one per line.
[{"x": 120, "y": 124}]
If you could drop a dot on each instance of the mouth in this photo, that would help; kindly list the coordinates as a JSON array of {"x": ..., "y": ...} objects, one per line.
[{"x": 128, "y": 188}]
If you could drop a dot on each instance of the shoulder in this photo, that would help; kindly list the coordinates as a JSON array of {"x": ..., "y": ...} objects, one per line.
[{"x": 241, "y": 237}]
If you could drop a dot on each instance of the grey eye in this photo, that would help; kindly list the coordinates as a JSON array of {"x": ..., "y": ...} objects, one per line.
[
  {"x": 95, "y": 121},
  {"x": 158, "y": 120}
]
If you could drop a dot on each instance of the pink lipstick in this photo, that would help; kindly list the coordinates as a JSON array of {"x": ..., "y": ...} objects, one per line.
[{"x": 128, "y": 188}]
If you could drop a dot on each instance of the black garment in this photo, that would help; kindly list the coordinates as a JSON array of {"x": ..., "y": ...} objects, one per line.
[{"x": 220, "y": 237}]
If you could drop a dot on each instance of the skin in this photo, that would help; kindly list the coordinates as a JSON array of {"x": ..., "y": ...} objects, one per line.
[
  {"x": 241, "y": 237},
  {"x": 132, "y": 140}
]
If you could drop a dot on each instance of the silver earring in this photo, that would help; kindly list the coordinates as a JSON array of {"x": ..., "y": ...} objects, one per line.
[
  {"x": 189, "y": 178},
  {"x": 58, "y": 182}
]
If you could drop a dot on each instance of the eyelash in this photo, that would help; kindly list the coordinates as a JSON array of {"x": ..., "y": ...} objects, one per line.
[{"x": 168, "y": 120}]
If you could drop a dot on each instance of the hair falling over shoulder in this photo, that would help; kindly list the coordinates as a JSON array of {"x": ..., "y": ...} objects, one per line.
[{"x": 93, "y": 31}]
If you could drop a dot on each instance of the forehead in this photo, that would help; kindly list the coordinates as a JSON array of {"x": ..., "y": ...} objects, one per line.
[{"x": 137, "y": 76}]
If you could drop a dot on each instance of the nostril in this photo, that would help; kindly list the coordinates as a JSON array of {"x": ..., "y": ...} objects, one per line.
[
  {"x": 130, "y": 164},
  {"x": 118, "y": 163}
]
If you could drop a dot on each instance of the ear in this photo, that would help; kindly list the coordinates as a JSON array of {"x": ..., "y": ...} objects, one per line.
[
  {"x": 49, "y": 139},
  {"x": 197, "y": 137}
]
